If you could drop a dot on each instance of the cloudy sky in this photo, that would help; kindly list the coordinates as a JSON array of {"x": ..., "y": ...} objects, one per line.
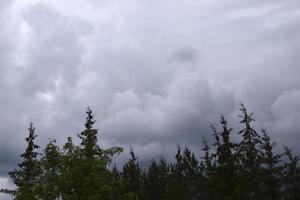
[{"x": 156, "y": 73}]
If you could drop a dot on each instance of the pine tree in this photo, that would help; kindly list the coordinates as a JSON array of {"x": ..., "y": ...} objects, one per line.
[
  {"x": 184, "y": 178},
  {"x": 249, "y": 156},
  {"x": 132, "y": 176},
  {"x": 89, "y": 137},
  {"x": 271, "y": 170},
  {"x": 207, "y": 171},
  {"x": 223, "y": 180},
  {"x": 156, "y": 179},
  {"x": 291, "y": 176},
  {"x": 95, "y": 178},
  {"x": 25, "y": 178}
]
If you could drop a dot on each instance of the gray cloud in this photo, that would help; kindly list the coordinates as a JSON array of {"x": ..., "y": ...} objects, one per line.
[
  {"x": 156, "y": 73},
  {"x": 185, "y": 54}
]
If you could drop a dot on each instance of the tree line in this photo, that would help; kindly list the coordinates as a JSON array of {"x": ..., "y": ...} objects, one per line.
[{"x": 247, "y": 169}]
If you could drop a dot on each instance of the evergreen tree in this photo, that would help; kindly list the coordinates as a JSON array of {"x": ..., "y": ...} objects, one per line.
[
  {"x": 291, "y": 177},
  {"x": 249, "y": 156},
  {"x": 184, "y": 181},
  {"x": 176, "y": 188},
  {"x": 132, "y": 176},
  {"x": 156, "y": 179},
  {"x": 95, "y": 178},
  {"x": 248, "y": 170},
  {"x": 25, "y": 178},
  {"x": 223, "y": 179},
  {"x": 88, "y": 138},
  {"x": 271, "y": 170},
  {"x": 207, "y": 170}
]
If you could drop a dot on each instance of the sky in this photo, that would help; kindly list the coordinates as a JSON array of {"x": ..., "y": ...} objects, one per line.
[{"x": 156, "y": 73}]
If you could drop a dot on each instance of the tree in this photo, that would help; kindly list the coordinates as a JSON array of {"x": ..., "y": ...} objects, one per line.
[
  {"x": 249, "y": 156},
  {"x": 185, "y": 180},
  {"x": 156, "y": 179},
  {"x": 207, "y": 170},
  {"x": 70, "y": 179},
  {"x": 25, "y": 178},
  {"x": 49, "y": 183},
  {"x": 95, "y": 180},
  {"x": 132, "y": 176},
  {"x": 291, "y": 176},
  {"x": 270, "y": 169},
  {"x": 223, "y": 180},
  {"x": 88, "y": 137}
]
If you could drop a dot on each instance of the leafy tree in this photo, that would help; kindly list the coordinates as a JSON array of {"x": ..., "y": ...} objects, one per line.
[
  {"x": 69, "y": 179},
  {"x": 49, "y": 182},
  {"x": 25, "y": 178},
  {"x": 247, "y": 170}
]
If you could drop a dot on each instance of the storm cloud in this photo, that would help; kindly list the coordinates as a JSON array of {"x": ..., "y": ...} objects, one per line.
[{"x": 156, "y": 73}]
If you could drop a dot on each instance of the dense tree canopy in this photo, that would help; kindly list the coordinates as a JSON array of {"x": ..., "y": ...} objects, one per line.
[{"x": 245, "y": 169}]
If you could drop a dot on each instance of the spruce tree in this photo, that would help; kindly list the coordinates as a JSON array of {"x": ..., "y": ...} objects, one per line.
[
  {"x": 207, "y": 171},
  {"x": 132, "y": 176},
  {"x": 291, "y": 176},
  {"x": 89, "y": 137},
  {"x": 156, "y": 179},
  {"x": 25, "y": 178},
  {"x": 249, "y": 156},
  {"x": 223, "y": 180},
  {"x": 95, "y": 178},
  {"x": 270, "y": 186},
  {"x": 177, "y": 187}
]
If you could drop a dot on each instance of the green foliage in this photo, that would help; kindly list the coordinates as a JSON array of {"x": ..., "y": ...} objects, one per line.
[
  {"x": 222, "y": 177},
  {"x": 155, "y": 179},
  {"x": 291, "y": 176},
  {"x": 26, "y": 177},
  {"x": 270, "y": 169},
  {"x": 248, "y": 169},
  {"x": 132, "y": 176},
  {"x": 49, "y": 181}
]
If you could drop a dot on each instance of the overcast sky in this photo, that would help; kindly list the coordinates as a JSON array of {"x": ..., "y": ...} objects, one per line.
[{"x": 155, "y": 72}]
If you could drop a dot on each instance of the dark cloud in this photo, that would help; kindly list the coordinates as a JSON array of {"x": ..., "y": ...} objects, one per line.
[
  {"x": 155, "y": 72},
  {"x": 185, "y": 54}
]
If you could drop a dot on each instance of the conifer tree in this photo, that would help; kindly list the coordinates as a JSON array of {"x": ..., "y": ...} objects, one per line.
[
  {"x": 249, "y": 156},
  {"x": 207, "y": 171},
  {"x": 89, "y": 137},
  {"x": 291, "y": 176},
  {"x": 132, "y": 176},
  {"x": 270, "y": 170},
  {"x": 223, "y": 180},
  {"x": 95, "y": 178},
  {"x": 156, "y": 179},
  {"x": 49, "y": 182},
  {"x": 25, "y": 178},
  {"x": 178, "y": 187}
]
